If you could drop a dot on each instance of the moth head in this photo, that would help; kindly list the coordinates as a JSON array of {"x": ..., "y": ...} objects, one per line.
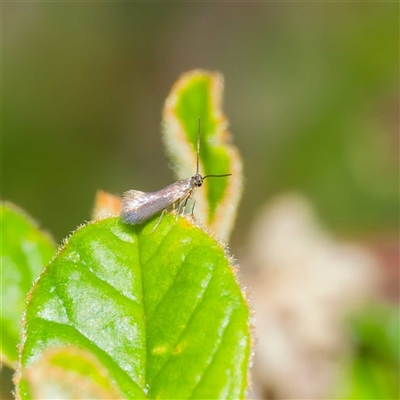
[{"x": 197, "y": 180}]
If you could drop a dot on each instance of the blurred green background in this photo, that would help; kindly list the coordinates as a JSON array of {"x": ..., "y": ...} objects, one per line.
[{"x": 312, "y": 97}]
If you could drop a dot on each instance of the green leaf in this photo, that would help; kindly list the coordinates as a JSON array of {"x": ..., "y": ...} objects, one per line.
[
  {"x": 161, "y": 311},
  {"x": 372, "y": 371},
  {"x": 375, "y": 369},
  {"x": 25, "y": 251},
  {"x": 68, "y": 372},
  {"x": 199, "y": 94}
]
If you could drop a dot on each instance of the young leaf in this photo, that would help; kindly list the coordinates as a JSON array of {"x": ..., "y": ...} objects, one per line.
[
  {"x": 199, "y": 94},
  {"x": 68, "y": 372},
  {"x": 161, "y": 311},
  {"x": 25, "y": 251},
  {"x": 106, "y": 205}
]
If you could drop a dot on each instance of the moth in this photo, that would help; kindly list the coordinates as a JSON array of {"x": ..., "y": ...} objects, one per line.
[{"x": 138, "y": 207}]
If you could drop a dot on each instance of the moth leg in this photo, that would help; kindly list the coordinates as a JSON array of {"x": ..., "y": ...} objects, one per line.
[
  {"x": 175, "y": 208},
  {"x": 159, "y": 220},
  {"x": 185, "y": 202},
  {"x": 194, "y": 203},
  {"x": 181, "y": 206}
]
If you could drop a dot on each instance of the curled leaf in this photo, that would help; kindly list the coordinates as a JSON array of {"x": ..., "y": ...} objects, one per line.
[{"x": 199, "y": 94}]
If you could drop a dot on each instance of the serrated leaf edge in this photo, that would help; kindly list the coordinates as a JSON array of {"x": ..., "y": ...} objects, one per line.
[
  {"x": 174, "y": 137},
  {"x": 194, "y": 223}
]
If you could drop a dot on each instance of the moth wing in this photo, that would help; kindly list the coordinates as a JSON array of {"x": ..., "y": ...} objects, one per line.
[
  {"x": 132, "y": 208},
  {"x": 138, "y": 207}
]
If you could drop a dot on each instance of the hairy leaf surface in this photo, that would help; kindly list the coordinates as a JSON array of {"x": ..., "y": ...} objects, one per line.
[
  {"x": 25, "y": 251},
  {"x": 161, "y": 311}
]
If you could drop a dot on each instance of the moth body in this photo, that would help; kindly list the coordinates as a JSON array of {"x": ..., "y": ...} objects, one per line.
[{"x": 138, "y": 207}]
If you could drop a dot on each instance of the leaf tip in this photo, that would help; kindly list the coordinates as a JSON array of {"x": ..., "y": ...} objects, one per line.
[
  {"x": 199, "y": 93},
  {"x": 106, "y": 205}
]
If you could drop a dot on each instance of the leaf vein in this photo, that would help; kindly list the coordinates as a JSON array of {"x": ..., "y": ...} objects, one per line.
[
  {"x": 143, "y": 307},
  {"x": 170, "y": 288},
  {"x": 212, "y": 358},
  {"x": 156, "y": 251},
  {"x": 110, "y": 286},
  {"x": 195, "y": 311},
  {"x": 94, "y": 344}
]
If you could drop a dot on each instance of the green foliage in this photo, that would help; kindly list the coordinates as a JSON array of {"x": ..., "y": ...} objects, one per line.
[
  {"x": 373, "y": 372},
  {"x": 333, "y": 137},
  {"x": 25, "y": 250},
  {"x": 199, "y": 94},
  {"x": 71, "y": 372},
  {"x": 160, "y": 310},
  {"x": 196, "y": 99},
  {"x": 133, "y": 311}
]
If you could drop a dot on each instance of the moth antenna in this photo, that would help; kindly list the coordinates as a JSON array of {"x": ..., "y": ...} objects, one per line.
[
  {"x": 216, "y": 176},
  {"x": 198, "y": 149}
]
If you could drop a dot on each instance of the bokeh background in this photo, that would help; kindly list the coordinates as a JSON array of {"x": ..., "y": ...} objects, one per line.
[{"x": 312, "y": 98}]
